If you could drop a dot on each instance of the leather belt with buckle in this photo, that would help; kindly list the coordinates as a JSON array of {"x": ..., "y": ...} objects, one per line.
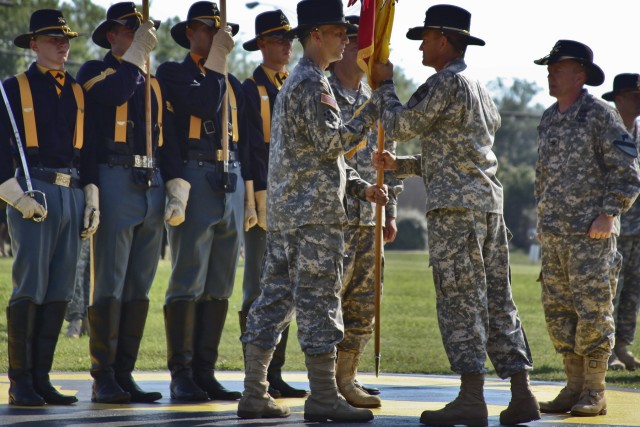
[
  {"x": 55, "y": 178},
  {"x": 203, "y": 156},
  {"x": 233, "y": 156},
  {"x": 135, "y": 161}
]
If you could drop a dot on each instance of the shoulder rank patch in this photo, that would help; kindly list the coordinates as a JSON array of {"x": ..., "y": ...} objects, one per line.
[
  {"x": 625, "y": 144},
  {"x": 418, "y": 96},
  {"x": 328, "y": 100}
]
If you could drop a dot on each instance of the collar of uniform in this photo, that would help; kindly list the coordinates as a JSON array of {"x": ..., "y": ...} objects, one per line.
[
  {"x": 456, "y": 66},
  {"x": 116, "y": 57},
  {"x": 45, "y": 70},
  {"x": 350, "y": 95},
  {"x": 199, "y": 61},
  {"x": 572, "y": 112},
  {"x": 271, "y": 75}
]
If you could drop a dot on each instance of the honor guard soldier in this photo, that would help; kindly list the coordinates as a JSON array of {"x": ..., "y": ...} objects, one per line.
[
  {"x": 456, "y": 120},
  {"x": 586, "y": 177},
  {"x": 307, "y": 182},
  {"x": 205, "y": 248},
  {"x": 127, "y": 246},
  {"x": 53, "y": 202},
  {"x": 626, "y": 96},
  {"x": 358, "y": 284},
  {"x": 275, "y": 44}
]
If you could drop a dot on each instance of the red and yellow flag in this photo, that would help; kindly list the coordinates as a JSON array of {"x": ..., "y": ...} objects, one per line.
[{"x": 374, "y": 33}]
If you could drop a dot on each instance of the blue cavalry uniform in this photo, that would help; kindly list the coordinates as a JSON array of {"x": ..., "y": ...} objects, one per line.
[
  {"x": 205, "y": 248},
  {"x": 127, "y": 246},
  {"x": 48, "y": 108}
]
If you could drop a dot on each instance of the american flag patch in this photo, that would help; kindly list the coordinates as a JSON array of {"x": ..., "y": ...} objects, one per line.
[{"x": 328, "y": 99}]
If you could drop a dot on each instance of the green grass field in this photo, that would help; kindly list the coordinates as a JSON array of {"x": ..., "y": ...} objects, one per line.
[{"x": 410, "y": 341}]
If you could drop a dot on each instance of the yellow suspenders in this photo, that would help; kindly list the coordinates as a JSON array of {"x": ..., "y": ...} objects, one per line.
[
  {"x": 265, "y": 112},
  {"x": 29, "y": 116},
  {"x": 122, "y": 114},
  {"x": 195, "y": 124}
]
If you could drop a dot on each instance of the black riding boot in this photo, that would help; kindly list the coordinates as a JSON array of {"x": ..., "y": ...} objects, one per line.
[
  {"x": 21, "y": 320},
  {"x": 49, "y": 320},
  {"x": 179, "y": 318},
  {"x": 132, "y": 320},
  {"x": 104, "y": 321},
  {"x": 210, "y": 318}
]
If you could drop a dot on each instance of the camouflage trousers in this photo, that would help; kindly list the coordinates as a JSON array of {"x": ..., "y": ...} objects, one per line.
[
  {"x": 77, "y": 308},
  {"x": 301, "y": 275},
  {"x": 627, "y": 301},
  {"x": 579, "y": 278},
  {"x": 469, "y": 254},
  {"x": 358, "y": 289}
]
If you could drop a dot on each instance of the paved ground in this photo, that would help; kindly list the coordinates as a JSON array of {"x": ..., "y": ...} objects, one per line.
[{"x": 404, "y": 398}]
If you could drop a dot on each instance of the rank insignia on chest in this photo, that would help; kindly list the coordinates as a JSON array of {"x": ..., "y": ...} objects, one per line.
[{"x": 328, "y": 100}]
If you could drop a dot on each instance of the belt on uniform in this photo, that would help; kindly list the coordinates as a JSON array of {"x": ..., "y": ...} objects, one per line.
[
  {"x": 210, "y": 157},
  {"x": 55, "y": 178},
  {"x": 135, "y": 161}
]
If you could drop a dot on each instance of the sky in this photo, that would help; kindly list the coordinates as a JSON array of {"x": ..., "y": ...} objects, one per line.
[{"x": 515, "y": 31}]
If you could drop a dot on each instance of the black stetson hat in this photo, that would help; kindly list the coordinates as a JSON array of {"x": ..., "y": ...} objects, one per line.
[
  {"x": 45, "y": 22},
  {"x": 124, "y": 13},
  {"x": 312, "y": 13},
  {"x": 354, "y": 20},
  {"x": 204, "y": 11},
  {"x": 569, "y": 49},
  {"x": 446, "y": 17},
  {"x": 272, "y": 24},
  {"x": 627, "y": 82}
]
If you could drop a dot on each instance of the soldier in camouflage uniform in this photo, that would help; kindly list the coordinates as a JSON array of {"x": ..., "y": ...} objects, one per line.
[
  {"x": 468, "y": 241},
  {"x": 586, "y": 176},
  {"x": 626, "y": 95},
  {"x": 358, "y": 289},
  {"x": 307, "y": 182}
]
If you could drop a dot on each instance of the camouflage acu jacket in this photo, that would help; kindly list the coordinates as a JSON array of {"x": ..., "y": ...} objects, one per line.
[
  {"x": 360, "y": 212},
  {"x": 308, "y": 177},
  {"x": 587, "y": 165},
  {"x": 456, "y": 121}
]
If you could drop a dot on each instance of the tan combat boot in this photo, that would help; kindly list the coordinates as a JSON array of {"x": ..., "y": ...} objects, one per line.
[
  {"x": 592, "y": 401},
  {"x": 346, "y": 368},
  {"x": 523, "y": 406},
  {"x": 325, "y": 403},
  {"x": 570, "y": 394},
  {"x": 626, "y": 356},
  {"x": 255, "y": 401},
  {"x": 469, "y": 408}
]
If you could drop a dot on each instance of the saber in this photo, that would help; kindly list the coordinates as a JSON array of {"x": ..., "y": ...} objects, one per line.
[{"x": 23, "y": 159}]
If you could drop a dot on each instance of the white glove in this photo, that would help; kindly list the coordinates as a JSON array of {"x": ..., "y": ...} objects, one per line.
[
  {"x": 144, "y": 41},
  {"x": 220, "y": 47},
  {"x": 91, "y": 217},
  {"x": 177, "y": 196},
  {"x": 12, "y": 193},
  {"x": 261, "y": 201},
  {"x": 250, "y": 215}
]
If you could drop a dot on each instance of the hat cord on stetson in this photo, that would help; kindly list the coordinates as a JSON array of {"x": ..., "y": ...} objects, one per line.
[
  {"x": 64, "y": 28},
  {"x": 136, "y": 14},
  {"x": 442, "y": 27},
  {"x": 284, "y": 27},
  {"x": 212, "y": 17}
]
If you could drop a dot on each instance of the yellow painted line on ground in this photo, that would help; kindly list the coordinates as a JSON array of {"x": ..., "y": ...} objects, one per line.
[{"x": 622, "y": 404}]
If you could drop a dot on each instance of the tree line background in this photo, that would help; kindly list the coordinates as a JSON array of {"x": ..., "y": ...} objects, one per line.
[{"x": 515, "y": 143}]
